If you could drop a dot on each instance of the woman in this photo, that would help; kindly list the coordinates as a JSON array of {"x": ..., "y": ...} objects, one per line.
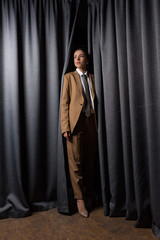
[{"x": 78, "y": 125}]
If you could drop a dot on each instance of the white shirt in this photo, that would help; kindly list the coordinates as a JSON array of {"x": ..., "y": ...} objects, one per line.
[{"x": 89, "y": 84}]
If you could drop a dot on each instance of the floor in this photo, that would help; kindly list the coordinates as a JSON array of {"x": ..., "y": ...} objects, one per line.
[{"x": 50, "y": 225}]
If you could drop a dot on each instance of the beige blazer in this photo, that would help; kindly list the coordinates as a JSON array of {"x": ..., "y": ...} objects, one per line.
[{"x": 72, "y": 100}]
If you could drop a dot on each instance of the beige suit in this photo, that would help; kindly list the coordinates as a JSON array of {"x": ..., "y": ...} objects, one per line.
[
  {"x": 72, "y": 100},
  {"x": 82, "y": 145}
]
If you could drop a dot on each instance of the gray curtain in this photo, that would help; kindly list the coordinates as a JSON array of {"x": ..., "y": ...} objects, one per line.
[
  {"x": 35, "y": 44},
  {"x": 124, "y": 37}
]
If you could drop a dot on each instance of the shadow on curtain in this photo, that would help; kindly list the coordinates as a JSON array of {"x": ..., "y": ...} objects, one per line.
[
  {"x": 124, "y": 37},
  {"x": 36, "y": 40}
]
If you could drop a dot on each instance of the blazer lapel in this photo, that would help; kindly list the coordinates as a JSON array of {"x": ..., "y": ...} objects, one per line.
[{"x": 78, "y": 80}]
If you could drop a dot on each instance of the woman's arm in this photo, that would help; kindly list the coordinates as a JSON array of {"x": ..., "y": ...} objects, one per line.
[{"x": 65, "y": 103}]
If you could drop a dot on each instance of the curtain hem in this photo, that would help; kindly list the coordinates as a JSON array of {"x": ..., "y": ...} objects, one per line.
[
  {"x": 63, "y": 209},
  {"x": 40, "y": 206},
  {"x": 156, "y": 230},
  {"x": 15, "y": 214}
]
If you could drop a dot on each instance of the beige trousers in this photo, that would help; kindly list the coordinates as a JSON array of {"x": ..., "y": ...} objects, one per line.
[{"x": 82, "y": 151}]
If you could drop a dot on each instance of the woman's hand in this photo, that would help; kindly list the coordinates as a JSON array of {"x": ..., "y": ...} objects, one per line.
[{"x": 67, "y": 135}]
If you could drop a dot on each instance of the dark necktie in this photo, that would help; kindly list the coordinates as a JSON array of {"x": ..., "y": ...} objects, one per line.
[{"x": 87, "y": 106}]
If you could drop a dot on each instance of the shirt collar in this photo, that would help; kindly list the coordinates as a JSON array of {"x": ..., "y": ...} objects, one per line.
[{"x": 81, "y": 73}]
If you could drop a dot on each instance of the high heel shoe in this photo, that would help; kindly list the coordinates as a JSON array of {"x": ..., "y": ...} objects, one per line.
[{"x": 82, "y": 209}]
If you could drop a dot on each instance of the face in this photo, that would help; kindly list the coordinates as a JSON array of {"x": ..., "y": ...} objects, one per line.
[{"x": 80, "y": 60}]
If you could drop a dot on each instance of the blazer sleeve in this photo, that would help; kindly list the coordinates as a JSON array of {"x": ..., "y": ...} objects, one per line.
[{"x": 65, "y": 103}]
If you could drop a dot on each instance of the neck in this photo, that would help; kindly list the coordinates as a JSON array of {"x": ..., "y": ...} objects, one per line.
[{"x": 83, "y": 70}]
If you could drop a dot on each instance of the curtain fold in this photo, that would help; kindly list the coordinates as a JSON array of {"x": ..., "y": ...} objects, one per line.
[
  {"x": 124, "y": 39},
  {"x": 35, "y": 42}
]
